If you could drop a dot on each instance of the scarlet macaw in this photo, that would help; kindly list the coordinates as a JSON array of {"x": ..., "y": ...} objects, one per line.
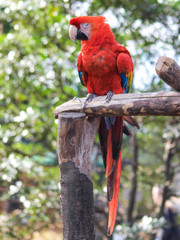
[{"x": 105, "y": 67}]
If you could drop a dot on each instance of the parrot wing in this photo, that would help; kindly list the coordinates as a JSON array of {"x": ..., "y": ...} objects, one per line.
[
  {"x": 83, "y": 75},
  {"x": 125, "y": 68}
]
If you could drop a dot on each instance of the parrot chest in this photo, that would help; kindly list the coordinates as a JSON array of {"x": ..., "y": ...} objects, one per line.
[
  {"x": 101, "y": 67},
  {"x": 99, "y": 62}
]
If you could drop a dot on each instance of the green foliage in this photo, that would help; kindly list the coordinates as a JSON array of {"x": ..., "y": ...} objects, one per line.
[
  {"x": 33, "y": 81},
  {"x": 35, "y": 193},
  {"x": 146, "y": 225}
]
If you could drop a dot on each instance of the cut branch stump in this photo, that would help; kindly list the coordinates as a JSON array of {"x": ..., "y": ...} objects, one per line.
[{"x": 169, "y": 71}]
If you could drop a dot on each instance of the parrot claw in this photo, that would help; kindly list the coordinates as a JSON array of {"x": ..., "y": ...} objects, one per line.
[
  {"x": 89, "y": 98},
  {"x": 109, "y": 96},
  {"x": 76, "y": 98}
]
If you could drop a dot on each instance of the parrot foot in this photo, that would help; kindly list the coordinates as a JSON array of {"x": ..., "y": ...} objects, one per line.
[
  {"x": 76, "y": 98},
  {"x": 109, "y": 96},
  {"x": 89, "y": 98}
]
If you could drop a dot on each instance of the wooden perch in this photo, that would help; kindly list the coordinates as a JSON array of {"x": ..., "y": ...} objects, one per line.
[
  {"x": 134, "y": 104},
  {"x": 169, "y": 71},
  {"x": 76, "y": 134}
]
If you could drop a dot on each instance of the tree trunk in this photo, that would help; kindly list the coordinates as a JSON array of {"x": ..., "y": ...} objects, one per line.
[
  {"x": 168, "y": 155},
  {"x": 132, "y": 195}
]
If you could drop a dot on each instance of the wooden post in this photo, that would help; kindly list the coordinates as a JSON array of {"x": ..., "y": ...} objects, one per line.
[{"x": 76, "y": 134}]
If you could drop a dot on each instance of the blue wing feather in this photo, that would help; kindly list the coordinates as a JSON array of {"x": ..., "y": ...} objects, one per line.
[
  {"x": 125, "y": 82},
  {"x": 80, "y": 76},
  {"x": 109, "y": 121}
]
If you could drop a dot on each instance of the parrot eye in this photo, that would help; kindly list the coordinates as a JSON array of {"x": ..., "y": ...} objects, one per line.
[{"x": 85, "y": 25}]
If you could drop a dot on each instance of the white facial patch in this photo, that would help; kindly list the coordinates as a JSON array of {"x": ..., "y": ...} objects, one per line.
[{"x": 86, "y": 29}]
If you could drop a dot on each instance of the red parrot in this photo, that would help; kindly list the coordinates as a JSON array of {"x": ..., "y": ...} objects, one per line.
[{"x": 105, "y": 68}]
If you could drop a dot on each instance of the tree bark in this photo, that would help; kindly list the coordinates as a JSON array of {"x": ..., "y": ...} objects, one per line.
[
  {"x": 76, "y": 134},
  {"x": 134, "y": 104},
  {"x": 169, "y": 71},
  {"x": 168, "y": 155},
  {"x": 132, "y": 194}
]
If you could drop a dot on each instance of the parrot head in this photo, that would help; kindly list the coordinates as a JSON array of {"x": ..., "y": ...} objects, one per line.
[{"x": 87, "y": 28}]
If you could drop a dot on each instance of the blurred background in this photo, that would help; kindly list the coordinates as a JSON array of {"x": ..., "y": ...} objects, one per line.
[{"x": 38, "y": 73}]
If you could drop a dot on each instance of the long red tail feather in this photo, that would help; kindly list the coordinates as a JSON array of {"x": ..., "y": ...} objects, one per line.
[
  {"x": 113, "y": 169},
  {"x": 114, "y": 202},
  {"x": 111, "y": 141},
  {"x": 111, "y": 162}
]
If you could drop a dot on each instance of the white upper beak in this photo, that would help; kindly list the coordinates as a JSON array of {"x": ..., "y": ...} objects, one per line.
[{"x": 73, "y": 33}]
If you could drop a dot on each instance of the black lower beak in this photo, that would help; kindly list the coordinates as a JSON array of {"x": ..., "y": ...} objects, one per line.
[{"x": 81, "y": 36}]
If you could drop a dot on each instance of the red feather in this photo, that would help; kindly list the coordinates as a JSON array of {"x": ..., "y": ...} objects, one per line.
[{"x": 114, "y": 202}]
